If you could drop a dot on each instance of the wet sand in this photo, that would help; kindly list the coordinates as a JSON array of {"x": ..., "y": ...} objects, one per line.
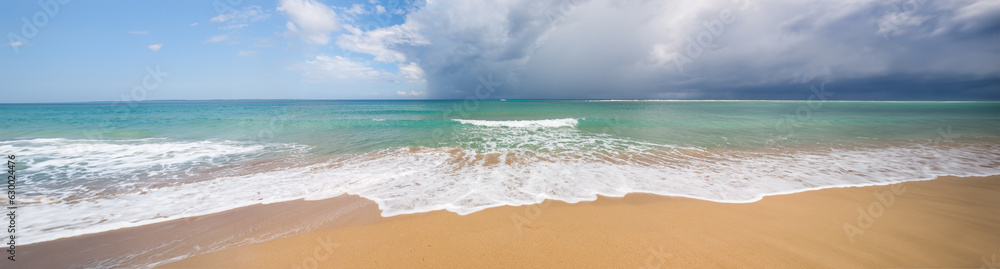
[
  {"x": 943, "y": 223},
  {"x": 163, "y": 242}
]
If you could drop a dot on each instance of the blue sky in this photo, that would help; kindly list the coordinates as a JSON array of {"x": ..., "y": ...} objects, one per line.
[
  {"x": 99, "y": 50},
  {"x": 564, "y": 49}
]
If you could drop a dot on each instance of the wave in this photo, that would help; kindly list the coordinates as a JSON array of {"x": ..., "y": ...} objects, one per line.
[
  {"x": 550, "y": 123},
  {"x": 421, "y": 179},
  {"x": 68, "y": 169}
]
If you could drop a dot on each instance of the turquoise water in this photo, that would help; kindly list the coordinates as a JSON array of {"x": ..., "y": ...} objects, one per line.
[
  {"x": 93, "y": 167},
  {"x": 338, "y": 127}
]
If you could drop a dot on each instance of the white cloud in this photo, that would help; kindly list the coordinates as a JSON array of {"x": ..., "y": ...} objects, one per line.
[
  {"x": 194, "y": 24},
  {"x": 412, "y": 72},
  {"x": 310, "y": 20},
  {"x": 248, "y": 53},
  {"x": 356, "y": 9},
  {"x": 218, "y": 38},
  {"x": 139, "y": 32},
  {"x": 411, "y": 93},
  {"x": 16, "y": 44},
  {"x": 155, "y": 47},
  {"x": 383, "y": 42},
  {"x": 380, "y": 9},
  {"x": 967, "y": 17},
  {"x": 325, "y": 68}
]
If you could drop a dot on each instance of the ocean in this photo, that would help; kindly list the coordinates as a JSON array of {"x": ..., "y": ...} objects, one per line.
[{"x": 92, "y": 167}]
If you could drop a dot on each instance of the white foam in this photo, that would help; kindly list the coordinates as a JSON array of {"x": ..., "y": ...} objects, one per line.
[
  {"x": 498, "y": 139},
  {"x": 550, "y": 123},
  {"x": 62, "y": 168},
  {"x": 414, "y": 180},
  {"x": 105, "y": 158}
]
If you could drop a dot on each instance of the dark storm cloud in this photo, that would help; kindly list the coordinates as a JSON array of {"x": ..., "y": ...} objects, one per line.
[{"x": 739, "y": 49}]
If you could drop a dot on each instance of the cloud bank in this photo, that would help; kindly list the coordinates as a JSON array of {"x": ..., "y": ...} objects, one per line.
[{"x": 715, "y": 49}]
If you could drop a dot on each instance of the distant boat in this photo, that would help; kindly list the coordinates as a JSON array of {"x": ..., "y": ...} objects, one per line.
[{"x": 501, "y": 100}]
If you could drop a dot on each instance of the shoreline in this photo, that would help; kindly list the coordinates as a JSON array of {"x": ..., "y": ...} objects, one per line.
[
  {"x": 275, "y": 234},
  {"x": 732, "y": 178},
  {"x": 162, "y": 242}
]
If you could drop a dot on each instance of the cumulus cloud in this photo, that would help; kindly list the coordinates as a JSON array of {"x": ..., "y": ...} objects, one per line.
[
  {"x": 310, "y": 20},
  {"x": 155, "y": 47},
  {"x": 383, "y": 42},
  {"x": 689, "y": 49},
  {"x": 411, "y": 72}
]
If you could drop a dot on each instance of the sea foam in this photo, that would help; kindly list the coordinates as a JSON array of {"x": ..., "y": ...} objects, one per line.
[
  {"x": 550, "y": 123},
  {"x": 462, "y": 180}
]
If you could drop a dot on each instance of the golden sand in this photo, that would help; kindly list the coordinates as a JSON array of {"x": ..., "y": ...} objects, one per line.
[{"x": 943, "y": 223}]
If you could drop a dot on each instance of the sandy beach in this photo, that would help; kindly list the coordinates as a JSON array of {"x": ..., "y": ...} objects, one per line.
[
  {"x": 943, "y": 223},
  {"x": 949, "y": 222},
  {"x": 311, "y": 134}
]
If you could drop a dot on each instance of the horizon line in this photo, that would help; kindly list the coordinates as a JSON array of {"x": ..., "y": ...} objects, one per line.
[{"x": 498, "y": 99}]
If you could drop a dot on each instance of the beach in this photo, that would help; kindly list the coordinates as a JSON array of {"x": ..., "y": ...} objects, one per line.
[
  {"x": 501, "y": 134},
  {"x": 566, "y": 183},
  {"x": 943, "y": 223}
]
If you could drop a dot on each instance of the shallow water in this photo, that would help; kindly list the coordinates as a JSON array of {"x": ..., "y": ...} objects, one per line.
[{"x": 86, "y": 168}]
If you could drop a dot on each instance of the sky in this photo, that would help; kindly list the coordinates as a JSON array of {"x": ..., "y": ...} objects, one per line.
[{"x": 88, "y": 50}]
